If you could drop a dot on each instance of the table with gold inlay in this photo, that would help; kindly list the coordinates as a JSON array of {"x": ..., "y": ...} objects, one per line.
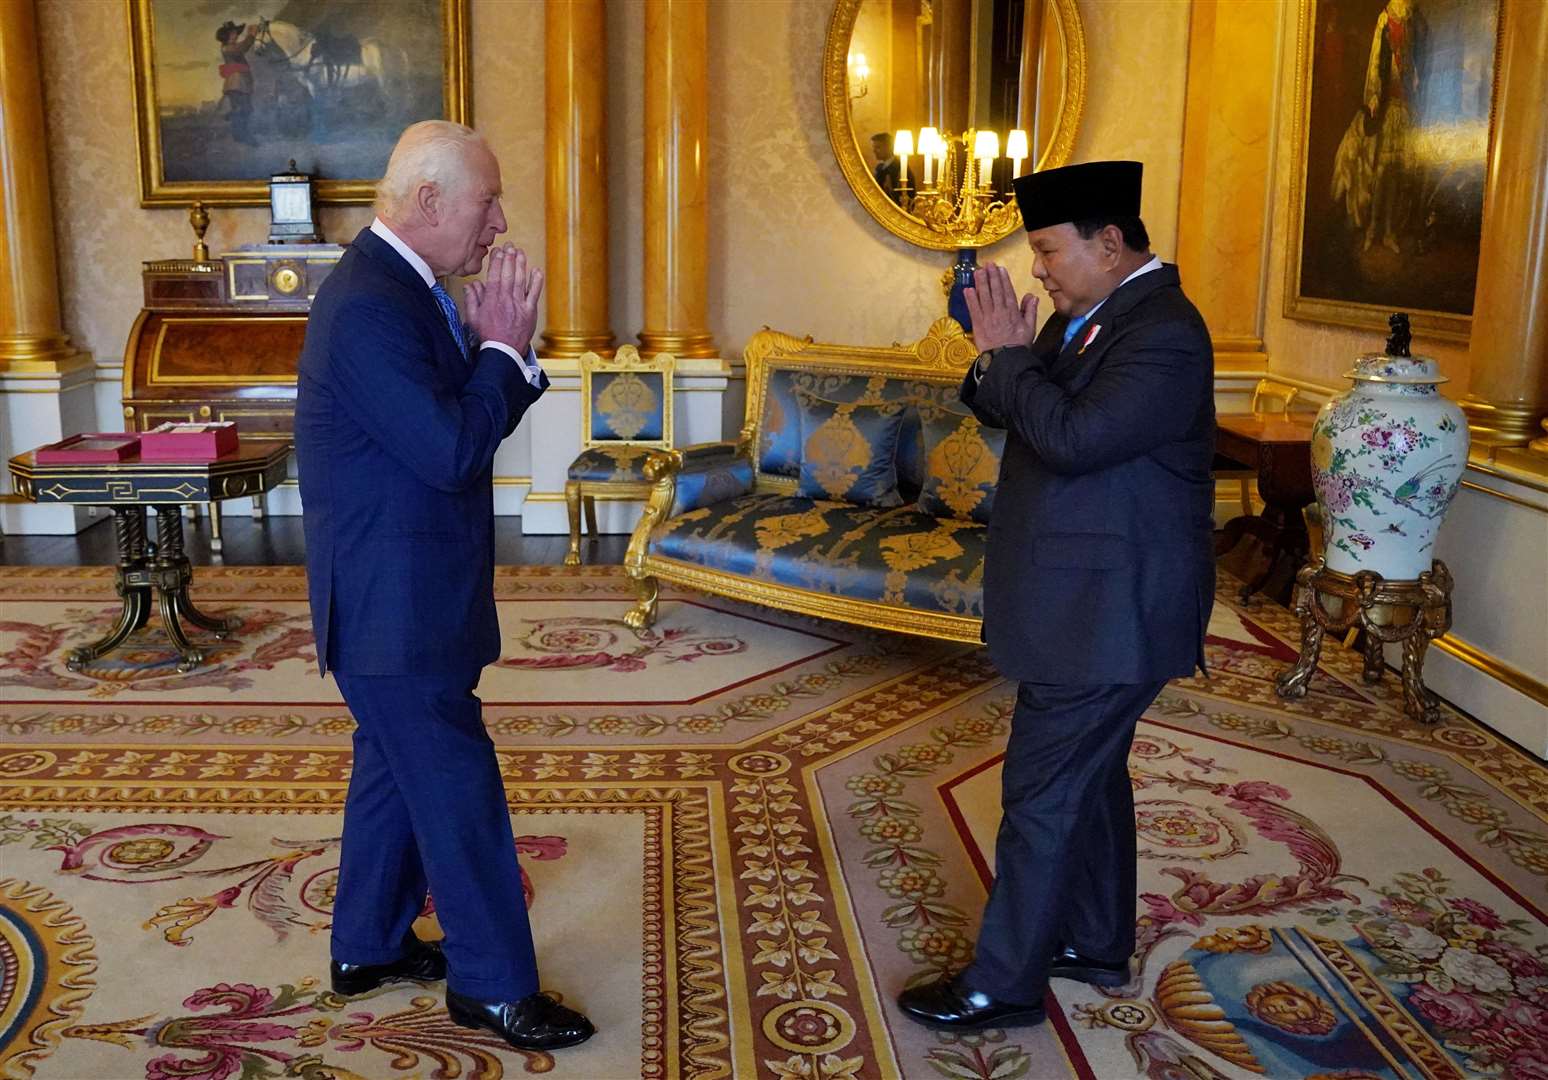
[{"x": 153, "y": 568}]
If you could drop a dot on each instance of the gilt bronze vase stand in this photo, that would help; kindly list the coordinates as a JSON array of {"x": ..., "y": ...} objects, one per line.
[{"x": 1413, "y": 613}]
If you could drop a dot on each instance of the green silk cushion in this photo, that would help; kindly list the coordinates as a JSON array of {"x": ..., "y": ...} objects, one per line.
[
  {"x": 849, "y": 450},
  {"x": 962, "y": 464}
]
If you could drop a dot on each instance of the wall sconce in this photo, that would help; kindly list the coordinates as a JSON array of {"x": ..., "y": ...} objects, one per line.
[{"x": 859, "y": 75}]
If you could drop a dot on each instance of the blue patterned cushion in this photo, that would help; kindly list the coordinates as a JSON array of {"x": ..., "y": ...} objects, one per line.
[
  {"x": 712, "y": 482},
  {"x": 849, "y": 450},
  {"x": 628, "y": 405},
  {"x": 611, "y": 464},
  {"x": 891, "y": 556},
  {"x": 962, "y": 464},
  {"x": 779, "y": 427}
]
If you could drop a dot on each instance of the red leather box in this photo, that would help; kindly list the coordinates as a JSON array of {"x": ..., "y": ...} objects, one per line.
[
  {"x": 90, "y": 448},
  {"x": 188, "y": 442}
]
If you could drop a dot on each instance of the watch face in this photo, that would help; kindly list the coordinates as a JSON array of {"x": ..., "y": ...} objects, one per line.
[{"x": 290, "y": 203}]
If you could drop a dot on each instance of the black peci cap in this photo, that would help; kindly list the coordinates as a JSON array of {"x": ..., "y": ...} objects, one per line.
[{"x": 1094, "y": 189}]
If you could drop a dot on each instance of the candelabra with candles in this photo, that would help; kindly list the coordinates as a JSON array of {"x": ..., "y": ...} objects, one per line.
[{"x": 956, "y": 193}]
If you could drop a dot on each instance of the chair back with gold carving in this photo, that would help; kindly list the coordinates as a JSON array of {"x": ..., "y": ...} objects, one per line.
[{"x": 626, "y": 400}]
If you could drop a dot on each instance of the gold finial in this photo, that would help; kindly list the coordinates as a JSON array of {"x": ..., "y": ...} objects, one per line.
[{"x": 199, "y": 218}]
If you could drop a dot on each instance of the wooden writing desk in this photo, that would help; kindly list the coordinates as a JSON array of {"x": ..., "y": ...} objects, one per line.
[{"x": 1279, "y": 447}]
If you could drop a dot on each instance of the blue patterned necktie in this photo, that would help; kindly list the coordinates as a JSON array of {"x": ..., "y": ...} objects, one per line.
[
  {"x": 1072, "y": 329},
  {"x": 453, "y": 320}
]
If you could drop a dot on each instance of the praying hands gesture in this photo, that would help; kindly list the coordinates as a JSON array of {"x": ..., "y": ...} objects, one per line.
[
  {"x": 998, "y": 317},
  {"x": 503, "y": 307}
]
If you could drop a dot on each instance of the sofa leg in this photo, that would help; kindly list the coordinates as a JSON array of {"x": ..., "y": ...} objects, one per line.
[
  {"x": 572, "y": 503},
  {"x": 642, "y": 615}
]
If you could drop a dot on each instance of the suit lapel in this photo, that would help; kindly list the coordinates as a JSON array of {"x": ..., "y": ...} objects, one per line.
[
  {"x": 382, "y": 253},
  {"x": 1084, "y": 350}
]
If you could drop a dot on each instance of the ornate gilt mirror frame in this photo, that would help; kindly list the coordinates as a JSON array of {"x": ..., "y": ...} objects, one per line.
[{"x": 835, "y": 96}]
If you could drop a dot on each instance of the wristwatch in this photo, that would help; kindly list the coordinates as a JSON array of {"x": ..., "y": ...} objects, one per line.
[{"x": 982, "y": 361}]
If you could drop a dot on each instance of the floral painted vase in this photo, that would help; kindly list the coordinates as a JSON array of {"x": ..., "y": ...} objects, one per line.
[{"x": 1387, "y": 457}]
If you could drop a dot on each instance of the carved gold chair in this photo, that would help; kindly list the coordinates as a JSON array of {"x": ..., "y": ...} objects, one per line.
[
  {"x": 626, "y": 414},
  {"x": 1268, "y": 398}
]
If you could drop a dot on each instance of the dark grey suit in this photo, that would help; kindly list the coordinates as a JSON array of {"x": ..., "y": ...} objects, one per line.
[{"x": 1097, "y": 589}]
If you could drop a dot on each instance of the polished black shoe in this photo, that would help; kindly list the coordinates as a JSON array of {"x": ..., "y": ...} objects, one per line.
[
  {"x": 1070, "y": 964},
  {"x": 536, "y": 1022},
  {"x": 422, "y": 961},
  {"x": 951, "y": 1004}
]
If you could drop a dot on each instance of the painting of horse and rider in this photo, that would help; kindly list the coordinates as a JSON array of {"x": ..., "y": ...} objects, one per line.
[{"x": 229, "y": 93}]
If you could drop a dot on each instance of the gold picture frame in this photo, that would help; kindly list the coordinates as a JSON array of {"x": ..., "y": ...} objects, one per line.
[
  {"x": 1359, "y": 245},
  {"x": 194, "y": 129}
]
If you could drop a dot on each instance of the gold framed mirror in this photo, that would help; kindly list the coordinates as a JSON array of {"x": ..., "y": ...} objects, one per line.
[{"x": 933, "y": 106}]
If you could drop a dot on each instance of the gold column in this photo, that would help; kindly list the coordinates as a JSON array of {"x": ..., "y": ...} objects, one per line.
[
  {"x": 1227, "y": 150},
  {"x": 31, "y": 336},
  {"x": 575, "y": 131},
  {"x": 676, "y": 179},
  {"x": 1508, "y": 350}
]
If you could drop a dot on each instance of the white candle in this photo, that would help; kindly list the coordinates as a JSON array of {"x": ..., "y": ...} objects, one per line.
[
  {"x": 929, "y": 143},
  {"x": 903, "y": 146},
  {"x": 1016, "y": 150},
  {"x": 986, "y": 147}
]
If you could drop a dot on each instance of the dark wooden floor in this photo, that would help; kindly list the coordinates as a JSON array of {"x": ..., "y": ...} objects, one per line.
[{"x": 276, "y": 541}]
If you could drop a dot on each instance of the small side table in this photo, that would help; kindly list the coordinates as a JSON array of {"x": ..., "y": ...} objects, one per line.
[
  {"x": 156, "y": 570},
  {"x": 1279, "y": 447}
]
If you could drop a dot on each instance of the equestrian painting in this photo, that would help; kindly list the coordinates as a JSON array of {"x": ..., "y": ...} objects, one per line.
[{"x": 230, "y": 92}]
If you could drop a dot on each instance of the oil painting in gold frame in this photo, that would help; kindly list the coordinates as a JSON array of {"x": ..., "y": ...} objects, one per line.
[
  {"x": 1393, "y": 125},
  {"x": 224, "y": 99}
]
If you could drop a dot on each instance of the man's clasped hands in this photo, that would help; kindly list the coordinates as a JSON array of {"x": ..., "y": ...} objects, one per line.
[{"x": 504, "y": 306}]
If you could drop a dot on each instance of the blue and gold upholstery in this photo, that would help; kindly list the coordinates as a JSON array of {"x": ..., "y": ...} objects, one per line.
[
  {"x": 962, "y": 464},
  {"x": 849, "y": 449},
  {"x": 881, "y": 555},
  {"x": 626, "y": 414},
  {"x": 611, "y": 464},
  {"x": 820, "y": 507}
]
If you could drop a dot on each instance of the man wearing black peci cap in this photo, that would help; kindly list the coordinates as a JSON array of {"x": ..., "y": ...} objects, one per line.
[{"x": 1098, "y": 580}]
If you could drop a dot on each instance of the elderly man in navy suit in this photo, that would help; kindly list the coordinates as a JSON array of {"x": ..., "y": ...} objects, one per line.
[
  {"x": 1099, "y": 575},
  {"x": 399, "y": 410}
]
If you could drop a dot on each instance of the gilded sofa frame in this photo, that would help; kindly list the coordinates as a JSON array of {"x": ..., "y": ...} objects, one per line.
[{"x": 944, "y": 353}]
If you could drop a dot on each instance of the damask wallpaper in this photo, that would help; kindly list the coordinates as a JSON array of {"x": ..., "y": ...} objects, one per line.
[{"x": 789, "y": 245}]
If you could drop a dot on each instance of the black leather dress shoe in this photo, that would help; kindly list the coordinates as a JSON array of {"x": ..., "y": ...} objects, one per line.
[
  {"x": 1070, "y": 964},
  {"x": 536, "y": 1022},
  {"x": 951, "y": 1004},
  {"x": 422, "y": 961}
]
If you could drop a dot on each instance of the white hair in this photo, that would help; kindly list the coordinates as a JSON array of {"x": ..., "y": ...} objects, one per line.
[{"x": 431, "y": 151}]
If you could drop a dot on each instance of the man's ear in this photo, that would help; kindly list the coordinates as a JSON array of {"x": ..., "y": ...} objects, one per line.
[
  {"x": 1112, "y": 242},
  {"x": 427, "y": 200}
]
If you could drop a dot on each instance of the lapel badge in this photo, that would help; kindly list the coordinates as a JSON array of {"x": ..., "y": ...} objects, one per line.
[{"x": 1090, "y": 337}]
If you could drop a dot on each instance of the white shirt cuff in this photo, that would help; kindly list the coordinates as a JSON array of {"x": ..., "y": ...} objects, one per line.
[{"x": 528, "y": 364}]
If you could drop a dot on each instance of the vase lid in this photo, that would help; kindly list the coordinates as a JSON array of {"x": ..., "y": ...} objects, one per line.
[{"x": 1399, "y": 370}]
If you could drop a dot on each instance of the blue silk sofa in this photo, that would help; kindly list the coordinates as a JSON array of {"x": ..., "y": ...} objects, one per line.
[{"x": 859, "y": 489}]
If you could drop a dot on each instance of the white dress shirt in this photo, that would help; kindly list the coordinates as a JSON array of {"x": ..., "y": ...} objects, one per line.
[{"x": 528, "y": 364}]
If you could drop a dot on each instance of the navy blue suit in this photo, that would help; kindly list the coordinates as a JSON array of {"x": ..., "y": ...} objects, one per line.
[
  {"x": 396, "y": 432},
  {"x": 1098, "y": 582}
]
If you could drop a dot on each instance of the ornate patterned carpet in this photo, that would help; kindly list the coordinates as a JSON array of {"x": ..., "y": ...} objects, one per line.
[{"x": 743, "y": 833}]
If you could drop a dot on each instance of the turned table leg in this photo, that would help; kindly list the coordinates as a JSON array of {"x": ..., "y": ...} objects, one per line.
[
  {"x": 132, "y": 583},
  {"x": 173, "y": 576}
]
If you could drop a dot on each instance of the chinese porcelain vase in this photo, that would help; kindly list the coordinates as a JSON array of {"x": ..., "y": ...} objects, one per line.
[{"x": 1387, "y": 457}]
